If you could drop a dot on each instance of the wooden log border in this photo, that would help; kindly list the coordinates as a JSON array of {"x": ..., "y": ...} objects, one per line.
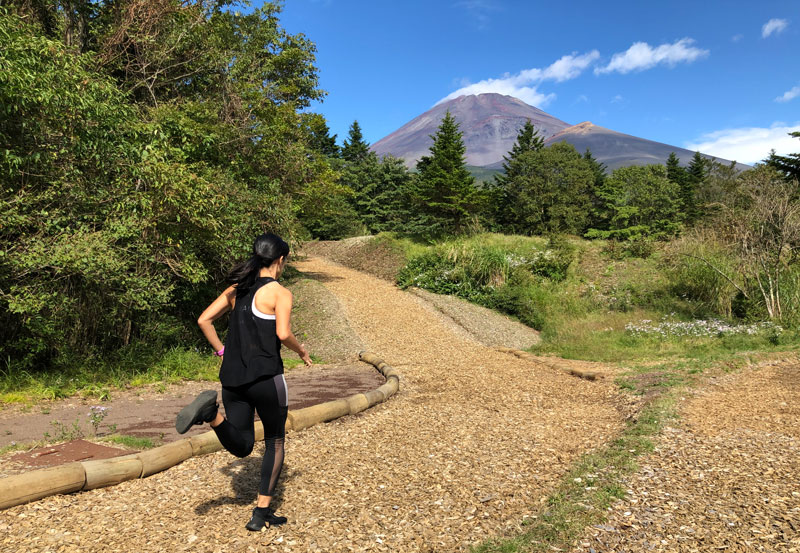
[
  {"x": 586, "y": 375},
  {"x": 88, "y": 475}
]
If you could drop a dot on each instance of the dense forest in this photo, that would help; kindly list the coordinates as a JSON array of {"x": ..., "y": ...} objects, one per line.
[{"x": 144, "y": 143}]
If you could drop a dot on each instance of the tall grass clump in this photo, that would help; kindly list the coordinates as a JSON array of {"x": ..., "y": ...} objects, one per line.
[
  {"x": 698, "y": 269},
  {"x": 513, "y": 274}
]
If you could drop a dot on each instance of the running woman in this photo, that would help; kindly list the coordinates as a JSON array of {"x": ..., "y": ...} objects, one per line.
[{"x": 252, "y": 369}]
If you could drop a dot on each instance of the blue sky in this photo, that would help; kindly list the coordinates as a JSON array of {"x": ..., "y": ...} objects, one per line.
[{"x": 719, "y": 76}]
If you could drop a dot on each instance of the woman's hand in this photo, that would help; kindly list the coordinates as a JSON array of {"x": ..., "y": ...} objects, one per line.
[{"x": 305, "y": 356}]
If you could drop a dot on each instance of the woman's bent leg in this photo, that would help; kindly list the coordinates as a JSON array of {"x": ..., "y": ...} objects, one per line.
[{"x": 236, "y": 432}]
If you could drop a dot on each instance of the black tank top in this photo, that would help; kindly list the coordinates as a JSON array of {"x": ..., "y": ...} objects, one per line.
[{"x": 252, "y": 347}]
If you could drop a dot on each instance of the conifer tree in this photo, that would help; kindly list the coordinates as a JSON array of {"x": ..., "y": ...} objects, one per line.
[
  {"x": 675, "y": 173},
  {"x": 528, "y": 140},
  {"x": 502, "y": 193},
  {"x": 599, "y": 170},
  {"x": 319, "y": 137},
  {"x": 443, "y": 190},
  {"x": 789, "y": 164},
  {"x": 696, "y": 174},
  {"x": 639, "y": 201},
  {"x": 390, "y": 202},
  {"x": 355, "y": 149}
]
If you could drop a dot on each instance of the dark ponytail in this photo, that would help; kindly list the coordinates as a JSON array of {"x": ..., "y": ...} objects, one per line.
[{"x": 266, "y": 249}]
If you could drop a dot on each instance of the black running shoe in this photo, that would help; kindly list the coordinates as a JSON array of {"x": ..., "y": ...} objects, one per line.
[
  {"x": 202, "y": 409},
  {"x": 263, "y": 517}
]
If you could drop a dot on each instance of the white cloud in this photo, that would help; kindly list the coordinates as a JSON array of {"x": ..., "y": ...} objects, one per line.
[
  {"x": 789, "y": 95},
  {"x": 617, "y": 99},
  {"x": 776, "y": 26},
  {"x": 641, "y": 56},
  {"x": 569, "y": 67},
  {"x": 479, "y": 10},
  {"x": 748, "y": 145},
  {"x": 524, "y": 85},
  {"x": 737, "y": 38},
  {"x": 528, "y": 94}
]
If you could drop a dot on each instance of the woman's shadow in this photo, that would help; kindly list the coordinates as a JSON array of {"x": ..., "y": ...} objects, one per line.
[{"x": 245, "y": 476}]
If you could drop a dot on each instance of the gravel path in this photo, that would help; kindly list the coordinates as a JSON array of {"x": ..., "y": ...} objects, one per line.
[
  {"x": 726, "y": 477},
  {"x": 473, "y": 441}
]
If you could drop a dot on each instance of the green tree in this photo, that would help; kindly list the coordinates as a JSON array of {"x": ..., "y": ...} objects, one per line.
[
  {"x": 443, "y": 191},
  {"x": 549, "y": 191},
  {"x": 355, "y": 148},
  {"x": 502, "y": 189},
  {"x": 788, "y": 165},
  {"x": 361, "y": 177},
  {"x": 639, "y": 201},
  {"x": 391, "y": 207},
  {"x": 127, "y": 188},
  {"x": 528, "y": 139},
  {"x": 723, "y": 188},
  {"x": 695, "y": 179},
  {"x": 599, "y": 171},
  {"x": 319, "y": 135},
  {"x": 675, "y": 173}
]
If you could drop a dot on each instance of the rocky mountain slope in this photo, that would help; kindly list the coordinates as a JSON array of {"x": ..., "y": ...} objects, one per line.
[{"x": 490, "y": 123}]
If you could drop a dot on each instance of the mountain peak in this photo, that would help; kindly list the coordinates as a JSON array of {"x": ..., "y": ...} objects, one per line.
[{"x": 489, "y": 122}]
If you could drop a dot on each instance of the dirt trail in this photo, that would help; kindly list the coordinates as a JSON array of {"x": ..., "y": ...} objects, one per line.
[
  {"x": 724, "y": 477},
  {"x": 473, "y": 440}
]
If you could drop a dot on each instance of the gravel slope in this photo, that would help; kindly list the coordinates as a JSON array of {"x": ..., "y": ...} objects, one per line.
[{"x": 471, "y": 443}]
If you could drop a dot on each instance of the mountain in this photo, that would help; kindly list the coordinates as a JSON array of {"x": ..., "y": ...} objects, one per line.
[
  {"x": 489, "y": 123},
  {"x": 616, "y": 149}
]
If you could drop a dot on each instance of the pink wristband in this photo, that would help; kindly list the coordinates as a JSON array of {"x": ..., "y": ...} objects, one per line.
[{"x": 221, "y": 352}]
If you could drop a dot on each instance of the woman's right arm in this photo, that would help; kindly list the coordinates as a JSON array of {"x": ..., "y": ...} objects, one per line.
[
  {"x": 283, "y": 327},
  {"x": 217, "y": 309}
]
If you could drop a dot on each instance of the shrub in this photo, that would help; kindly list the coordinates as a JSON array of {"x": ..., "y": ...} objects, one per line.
[
  {"x": 505, "y": 276},
  {"x": 696, "y": 265}
]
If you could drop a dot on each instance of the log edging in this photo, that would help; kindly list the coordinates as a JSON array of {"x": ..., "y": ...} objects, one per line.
[
  {"x": 586, "y": 375},
  {"x": 88, "y": 475}
]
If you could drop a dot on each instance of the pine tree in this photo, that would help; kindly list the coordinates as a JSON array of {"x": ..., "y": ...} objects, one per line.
[
  {"x": 639, "y": 201},
  {"x": 789, "y": 164},
  {"x": 443, "y": 189},
  {"x": 675, "y": 172},
  {"x": 599, "y": 170},
  {"x": 391, "y": 208},
  {"x": 355, "y": 149},
  {"x": 501, "y": 190},
  {"x": 319, "y": 137},
  {"x": 528, "y": 140},
  {"x": 696, "y": 174}
]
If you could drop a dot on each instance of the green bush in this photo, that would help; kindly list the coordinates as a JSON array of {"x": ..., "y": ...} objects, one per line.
[
  {"x": 501, "y": 275},
  {"x": 696, "y": 267},
  {"x": 121, "y": 213}
]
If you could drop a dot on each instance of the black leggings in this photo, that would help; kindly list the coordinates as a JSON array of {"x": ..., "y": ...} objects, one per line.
[{"x": 269, "y": 397}]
